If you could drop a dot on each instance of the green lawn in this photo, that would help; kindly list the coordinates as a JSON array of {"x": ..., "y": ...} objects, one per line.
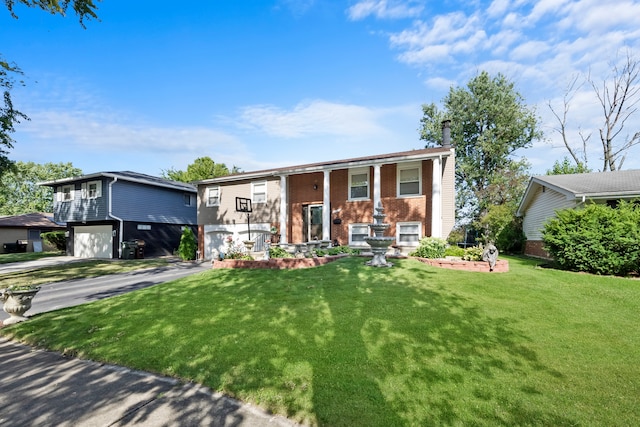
[
  {"x": 26, "y": 256},
  {"x": 76, "y": 270},
  {"x": 346, "y": 344}
]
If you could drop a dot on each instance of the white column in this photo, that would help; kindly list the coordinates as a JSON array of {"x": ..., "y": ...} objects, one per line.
[
  {"x": 436, "y": 199},
  {"x": 376, "y": 186},
  {"x": 284, "y": 206},
  {"x": 326, "y": 206}
]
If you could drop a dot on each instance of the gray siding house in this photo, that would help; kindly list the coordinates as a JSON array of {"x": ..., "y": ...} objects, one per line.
[
  {"x": 548, "y": 193},
  {"x": 104, "y": 209}
]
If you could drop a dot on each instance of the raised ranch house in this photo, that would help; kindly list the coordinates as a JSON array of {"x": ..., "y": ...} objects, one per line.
[
  {"x": 332, "y": 201},
  {"x": 547, "y": 194},
  {"x": 20, "y": 233},
  {"x": 105, "y": 209}
]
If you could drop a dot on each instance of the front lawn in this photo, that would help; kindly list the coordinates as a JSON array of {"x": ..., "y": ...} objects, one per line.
[
  {"x": 346, "y": 344},
  {"x": 27, "y": 256}
]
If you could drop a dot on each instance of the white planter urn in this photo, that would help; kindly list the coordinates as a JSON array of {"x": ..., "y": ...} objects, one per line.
[{"x": 16, "y": 303}]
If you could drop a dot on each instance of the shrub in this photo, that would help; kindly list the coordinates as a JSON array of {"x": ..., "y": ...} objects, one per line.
[
  {"x": 596, "y": 239},
  {"x": 430, "y": 247},
  {"x": 56, "y": 238},
  {"x": 337, "y": 250},
  {"x": 188, "y": 245},
  {"x": 278, "y": 252},
  {"x": 454, "y": 251},
  {"x": 473, "y": 253}
]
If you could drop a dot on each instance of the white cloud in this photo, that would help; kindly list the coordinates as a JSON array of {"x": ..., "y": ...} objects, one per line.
[
  {"x": 385, "y": 9},
  {"x": 313, "y": 118}
]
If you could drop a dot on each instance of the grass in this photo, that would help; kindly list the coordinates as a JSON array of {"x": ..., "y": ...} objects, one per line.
[
  {"x": 26, "y": 256},
  {"x": 346, "y": 344},
  {"x": 76, "y": 270}
]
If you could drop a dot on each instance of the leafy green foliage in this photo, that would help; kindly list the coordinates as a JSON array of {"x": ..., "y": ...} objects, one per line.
[
  {"x": 188, "y": 245},
  {"x": 596, "y": 239},
  {"x": 278, "y": 252},
  {"x": 473, "y": 253},
  {"x": 19, "y": 189},
  {"x": 201, "y": 168},
  {"x": 430, "y": 247},
  {"x": 565, "y": 167},
  {"x": 454, "y": 251},
  {"x": 490, "y": 121},
  {"x": 56, "y": 238}
]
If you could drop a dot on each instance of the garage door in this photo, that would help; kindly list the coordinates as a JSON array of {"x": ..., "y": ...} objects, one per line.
[{"x": 92, "y": 241}]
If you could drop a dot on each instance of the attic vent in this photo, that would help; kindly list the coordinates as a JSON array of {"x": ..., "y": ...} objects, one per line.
[{"x": 544, "y": 189}]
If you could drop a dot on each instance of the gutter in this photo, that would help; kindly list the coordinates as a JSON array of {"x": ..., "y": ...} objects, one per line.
[{"x": 111, "y": 215}]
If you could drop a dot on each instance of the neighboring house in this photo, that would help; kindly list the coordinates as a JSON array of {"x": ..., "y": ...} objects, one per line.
[
  {"x": 547, "y": 194},
  {"x": 26, "y": 229},
  {"x": 104, "y": 209},
  {"x": 333, "y": 201}
]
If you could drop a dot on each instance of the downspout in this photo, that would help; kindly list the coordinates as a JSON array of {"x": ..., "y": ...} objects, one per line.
[{"x": 111, "y": 215}]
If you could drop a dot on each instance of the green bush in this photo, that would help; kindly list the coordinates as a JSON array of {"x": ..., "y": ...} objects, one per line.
[
  {"x": 278, "y": 252},
  {"x": 430, "y": 247},
  {"x": 454, "y": 251},
  {"x": 473, "y": 253},
  {"x": 188, "y": 245},
  {"x": 337, "y": 250},
  {"x": 596, "y": 239},
  {"x": 56, "y": 238}
]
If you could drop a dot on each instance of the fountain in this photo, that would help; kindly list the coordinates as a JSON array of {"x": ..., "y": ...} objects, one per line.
[{"x": 378, "y": 242}]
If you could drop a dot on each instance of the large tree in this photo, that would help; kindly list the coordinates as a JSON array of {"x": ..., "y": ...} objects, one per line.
[
  {"x": 201, "y": 168},
  {"x": 489, "y": 123},
  {"x": 618, "y": 97},
  {"x": 19, "y": 189},
  {"x": 9, "y": 71}
]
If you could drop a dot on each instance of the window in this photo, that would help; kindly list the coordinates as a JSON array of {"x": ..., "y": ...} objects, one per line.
[
  {"x": 359, "y": 184},
  {"x": 357, "y": 233},
  {"x": 91, "y": 189},
  {"x": 144, "y": 227},
  {"x": 213, "y": 196},
  {"x": 408, "y": 233},
  {"x": 409, "y": 182},
  {"x": 66, "y": 193},
  {"x": 189, "y": 199},
  {"x": 259, "y": 192}
]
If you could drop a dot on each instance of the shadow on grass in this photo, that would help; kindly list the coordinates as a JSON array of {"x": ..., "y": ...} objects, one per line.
[{"x": 338, "y": 345}]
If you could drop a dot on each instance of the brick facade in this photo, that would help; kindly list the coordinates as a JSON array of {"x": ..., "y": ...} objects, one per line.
[{"x": 535, "y": 248}]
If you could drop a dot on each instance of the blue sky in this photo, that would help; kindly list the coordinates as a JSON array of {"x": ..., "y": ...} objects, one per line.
[{"x": 260, "y": 84}]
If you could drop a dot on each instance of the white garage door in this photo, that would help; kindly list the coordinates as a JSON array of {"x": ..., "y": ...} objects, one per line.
[{"x": 92, "y": 241}]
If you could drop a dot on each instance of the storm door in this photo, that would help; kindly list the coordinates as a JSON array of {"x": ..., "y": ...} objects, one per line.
[{"x": 312, "y": 222}]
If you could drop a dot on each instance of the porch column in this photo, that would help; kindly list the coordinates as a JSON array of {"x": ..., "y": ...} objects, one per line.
[
  {"x": 284, "y": 206},
  {"x": 376, "y": 186},
  {"x": 326, "y": 206},
  {"x": 436, "y": 198}
]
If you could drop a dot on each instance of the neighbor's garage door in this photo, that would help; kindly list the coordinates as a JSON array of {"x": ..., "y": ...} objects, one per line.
[{"x": 92, "y": 241}]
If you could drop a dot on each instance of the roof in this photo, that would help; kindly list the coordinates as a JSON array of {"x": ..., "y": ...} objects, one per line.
[
  {"x": 403, "y": 156},
  {"x": 596, "y": 185},
  {"x": 139, "y": 178},
  {"x": 31, "y": 220}
]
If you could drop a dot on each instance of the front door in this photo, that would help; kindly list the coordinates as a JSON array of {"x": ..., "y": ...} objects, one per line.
[{"x": 312, "y": 216}]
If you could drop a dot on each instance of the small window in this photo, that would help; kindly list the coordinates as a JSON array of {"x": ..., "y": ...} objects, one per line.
[
  {"x": 409, "y": 233},
  {"x": 409, "y": 182},
  {"x": 359, "y": 184},
  {"x": 259, "y": 192},
  {"x": 66, "y": 193},
  {"x": 189, "y": 199},
  {"x": 91, "y": 189},
  {"x": 144, "y": 227},
  {"x": 357, "y": 234},
  {"x": 213, "y": 196}
]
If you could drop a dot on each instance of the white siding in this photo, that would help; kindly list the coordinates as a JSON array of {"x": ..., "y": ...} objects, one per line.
[{"x": 543, "y": 207}]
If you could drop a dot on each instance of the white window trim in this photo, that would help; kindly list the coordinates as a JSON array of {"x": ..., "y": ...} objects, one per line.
[
  {"x": 60, "y": 193},
  {"x": 208, "y": 197},
  {"x": 358, "y": 243},
  {"x": 253, "y": 193},
  {"x": 359, "y": 171},
  {"x": 85, "y": 190},
  {"x": 404, "y": 242},
  {"x": 405, "y": 166}
]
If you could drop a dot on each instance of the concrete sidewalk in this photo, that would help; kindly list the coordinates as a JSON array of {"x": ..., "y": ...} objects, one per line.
[
  {"x": 41, "y": 388},
  {"x": 37, "y": 263}
]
